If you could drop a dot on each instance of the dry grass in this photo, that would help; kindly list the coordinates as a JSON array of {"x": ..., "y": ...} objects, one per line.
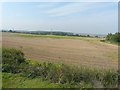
[{"x": 87, "y": 52}]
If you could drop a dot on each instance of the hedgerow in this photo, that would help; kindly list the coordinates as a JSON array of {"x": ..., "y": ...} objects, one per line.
[{"x": 15, "y": 62}]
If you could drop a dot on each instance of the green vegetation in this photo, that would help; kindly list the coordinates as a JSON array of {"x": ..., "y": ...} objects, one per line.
[
  {"x": 17, "y": 67},
  {"x": 17, "y": 81},
  {"x": 89, "y": 39},
  {"x": 58, "y": 33},
  {"x": 113, "y": 38},
  {"x": 47, "y": 36},
  {"x": 12, "y": 58}
]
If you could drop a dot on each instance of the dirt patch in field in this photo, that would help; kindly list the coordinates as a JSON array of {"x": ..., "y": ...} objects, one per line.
[{"x": 70, "y": 51}]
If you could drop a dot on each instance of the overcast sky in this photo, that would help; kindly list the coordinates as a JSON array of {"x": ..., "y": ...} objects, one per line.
[{"x": 87, "y": 17}]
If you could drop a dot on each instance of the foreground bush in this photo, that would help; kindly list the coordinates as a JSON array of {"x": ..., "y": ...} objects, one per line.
[
  {"x": 11, "y": 59},
  {"x": 14, "y": 62}
]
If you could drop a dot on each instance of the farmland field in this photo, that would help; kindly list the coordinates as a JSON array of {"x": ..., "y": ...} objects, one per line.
[{"x": 78, "y": 51}]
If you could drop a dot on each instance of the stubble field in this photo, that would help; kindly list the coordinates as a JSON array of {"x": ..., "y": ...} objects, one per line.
[{"x": 79, "y": 51}]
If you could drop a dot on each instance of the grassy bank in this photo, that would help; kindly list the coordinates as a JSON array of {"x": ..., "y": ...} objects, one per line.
[{"x": 17, "y": 81}]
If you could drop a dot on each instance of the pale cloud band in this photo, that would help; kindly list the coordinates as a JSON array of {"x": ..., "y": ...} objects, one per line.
[
  {"x": 68, "y": 9},
  {"x": 59, "y": 0},
  {"x": 72, "y": 8}
]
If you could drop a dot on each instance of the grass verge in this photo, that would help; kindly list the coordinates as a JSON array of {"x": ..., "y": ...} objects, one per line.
[{"x": 16, "y": 81}]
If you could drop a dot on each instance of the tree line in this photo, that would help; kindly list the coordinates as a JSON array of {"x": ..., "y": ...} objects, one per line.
[
  {"x": 113, "y": 38},
  {"x": 59, "y": 33}
]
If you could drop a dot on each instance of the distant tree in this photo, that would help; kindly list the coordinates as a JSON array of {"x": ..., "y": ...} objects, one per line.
[
  {"x": 10, "y": 31},
  {"x": 76, "y": 34},
  {"x": 88, "y": 35},
  {"x": 4, "y": 31},
  {"x": 96, "y": 36}
]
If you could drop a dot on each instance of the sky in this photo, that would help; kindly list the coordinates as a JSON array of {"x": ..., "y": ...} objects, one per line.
[{"x": 77, "y": 17}]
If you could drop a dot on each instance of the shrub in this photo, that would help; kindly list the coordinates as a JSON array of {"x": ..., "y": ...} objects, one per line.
[
  {"x": 11, "y": 59},
  {"x": 110, "y": 79},
  {"x": 114, "y": 38}
]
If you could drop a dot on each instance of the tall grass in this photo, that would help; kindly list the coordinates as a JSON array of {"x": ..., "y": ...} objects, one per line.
[{"x": 58, "y": 73}]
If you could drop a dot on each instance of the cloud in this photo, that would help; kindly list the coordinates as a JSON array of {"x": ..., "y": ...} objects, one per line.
[
  {"x": 72, "y": 8},
  {"x": 68, "y": 9}
]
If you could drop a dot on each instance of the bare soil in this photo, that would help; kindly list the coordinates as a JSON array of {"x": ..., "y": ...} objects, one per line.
[{"x": 80, "y": 52}]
